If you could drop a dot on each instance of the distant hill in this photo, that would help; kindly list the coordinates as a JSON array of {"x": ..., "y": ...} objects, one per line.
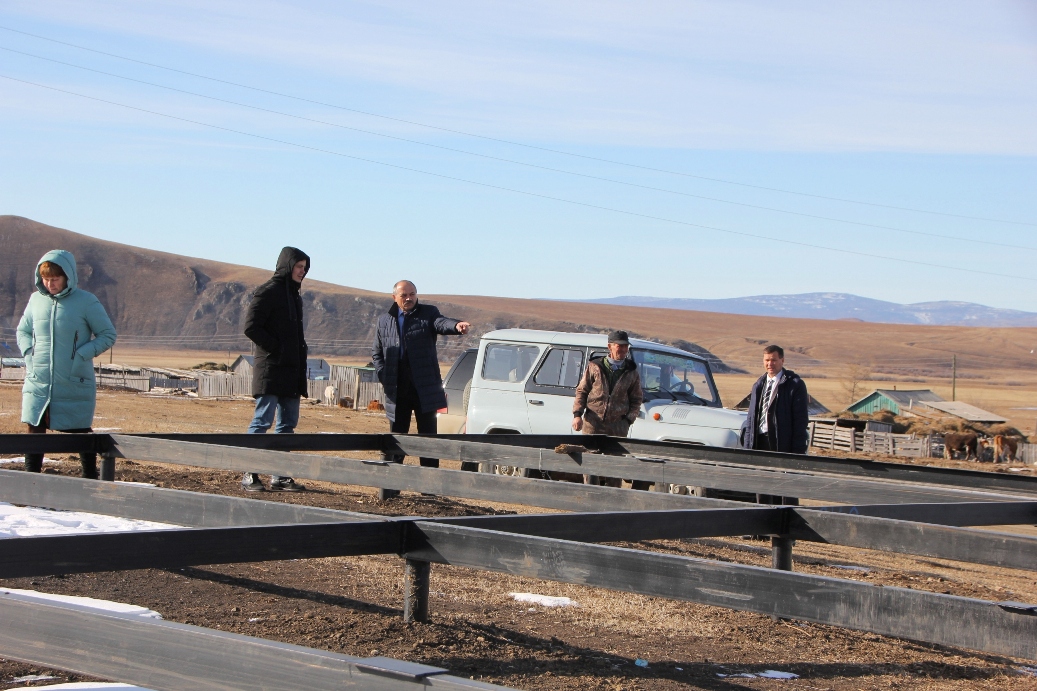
[
  {"x": 171, "y": 301},
  {"x": 842, "y": 306}
]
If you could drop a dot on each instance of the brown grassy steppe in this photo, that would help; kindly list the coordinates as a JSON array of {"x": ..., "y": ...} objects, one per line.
[
  {"x": 996, "y": 369},
  {"x": 166, "y": 301}
]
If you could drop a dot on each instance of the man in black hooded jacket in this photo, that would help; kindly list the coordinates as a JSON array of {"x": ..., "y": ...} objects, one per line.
[{"x": 274, "y": 324}]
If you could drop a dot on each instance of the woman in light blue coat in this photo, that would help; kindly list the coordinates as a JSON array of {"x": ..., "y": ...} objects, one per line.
[{"x": 63, "y": 329}]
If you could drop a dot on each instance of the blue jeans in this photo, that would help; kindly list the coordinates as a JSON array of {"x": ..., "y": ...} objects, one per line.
[{"x": 286, "y": 409}]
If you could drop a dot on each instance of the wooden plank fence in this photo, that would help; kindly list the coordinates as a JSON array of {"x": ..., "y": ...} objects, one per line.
[
  {"x": 827, "y": 435},
  {"x": 12, "y": 373},
  {"x": 222, "y": 385},
  {"x": 352, "y": 383},
  {"x": 165, "y": 383},
  {"x": 124, "y": 381},
  {"x": 367, "y": 392},
  {"x": 1027, "y": 454}
]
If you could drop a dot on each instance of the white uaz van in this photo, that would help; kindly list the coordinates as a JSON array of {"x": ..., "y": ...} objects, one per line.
[{"x": 524, "y": 382}]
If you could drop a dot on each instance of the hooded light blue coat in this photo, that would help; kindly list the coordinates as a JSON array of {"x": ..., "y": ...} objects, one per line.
[{"x": 60, "y": 335}]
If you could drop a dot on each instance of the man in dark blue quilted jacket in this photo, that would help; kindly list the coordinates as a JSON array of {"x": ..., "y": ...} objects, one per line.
[{"x": 406, "y": 362}]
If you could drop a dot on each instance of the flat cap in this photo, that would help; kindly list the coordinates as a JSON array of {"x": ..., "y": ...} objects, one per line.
[{"x": 619, "y": 337}]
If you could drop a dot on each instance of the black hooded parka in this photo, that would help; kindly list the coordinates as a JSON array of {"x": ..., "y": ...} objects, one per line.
[{"x": 274, "y": 324}]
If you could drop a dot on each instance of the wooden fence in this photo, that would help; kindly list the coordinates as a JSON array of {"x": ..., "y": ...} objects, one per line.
[
  {"x": 13, "y": 373},
  {"x": 367, "y": 392},
  {"x": 125, "y": 381},
  {"x": 223, "y": 385},
  {"x": 1027, "y": 454},
  {"x": 827, "y": 435},
  {"x": 165, "y": 383},
  {"x": 352, "y": 383}
]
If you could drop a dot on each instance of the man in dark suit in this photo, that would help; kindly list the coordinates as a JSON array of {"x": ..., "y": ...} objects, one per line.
[
  {"x": 778, "y": 416},
  {"x": 407, "y": 365}
]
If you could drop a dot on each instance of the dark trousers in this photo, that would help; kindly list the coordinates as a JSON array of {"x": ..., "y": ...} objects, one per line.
[
  {"x": 406, "y": 403},
  {"x": 762, "y": 442},
  {"x": 34, "y": 461}
]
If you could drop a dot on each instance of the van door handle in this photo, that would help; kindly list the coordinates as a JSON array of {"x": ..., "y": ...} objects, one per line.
[{"x": 533, "y": 402}]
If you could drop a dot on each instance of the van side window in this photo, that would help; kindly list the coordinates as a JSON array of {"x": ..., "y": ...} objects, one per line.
[
  {"x": 507, "y": 362},
  {"x": 560, "y": 368},
  {"x": 461, "y": 373}
]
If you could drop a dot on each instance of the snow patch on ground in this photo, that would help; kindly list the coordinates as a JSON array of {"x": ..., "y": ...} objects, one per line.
[
  {"x": 21, "y": 459},
  {"x": 27, "y": 521},
  {"x": 83, "y": 686},
  {"x": 766, "y": 674},
  {"x": 543, "y": 600},
  {"x": 92, "y": 603}
]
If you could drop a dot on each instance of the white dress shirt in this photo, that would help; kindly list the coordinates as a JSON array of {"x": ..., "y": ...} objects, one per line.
[{"x": 765, "y": 406}]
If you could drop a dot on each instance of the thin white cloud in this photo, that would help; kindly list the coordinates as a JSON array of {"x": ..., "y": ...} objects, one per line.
[{"x": 925, "y": 76}]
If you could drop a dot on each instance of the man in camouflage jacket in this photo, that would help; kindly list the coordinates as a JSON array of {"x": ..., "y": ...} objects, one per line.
[{"x": 609, "y": 396}]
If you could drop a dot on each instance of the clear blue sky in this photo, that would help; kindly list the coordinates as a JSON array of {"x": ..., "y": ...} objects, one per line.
[{"x": 926, "y": 105}]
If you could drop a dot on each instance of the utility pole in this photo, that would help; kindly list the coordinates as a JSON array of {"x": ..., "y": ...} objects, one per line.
[{"x": 954, "y": 377}]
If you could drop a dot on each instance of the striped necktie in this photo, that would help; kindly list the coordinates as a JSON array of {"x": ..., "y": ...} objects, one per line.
[{"x": 765, "y": 403}]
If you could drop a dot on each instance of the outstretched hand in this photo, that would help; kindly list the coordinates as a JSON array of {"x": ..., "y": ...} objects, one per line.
[{"x": 462, "y": 327}]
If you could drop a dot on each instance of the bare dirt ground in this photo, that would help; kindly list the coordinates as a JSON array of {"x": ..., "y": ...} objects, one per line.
[{"x": 353, "y": 605}]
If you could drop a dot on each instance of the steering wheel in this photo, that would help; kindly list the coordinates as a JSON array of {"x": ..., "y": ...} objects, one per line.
[{"x": 683, "y": 387}]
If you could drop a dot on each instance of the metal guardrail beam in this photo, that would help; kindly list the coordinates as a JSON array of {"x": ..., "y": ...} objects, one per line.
[
  {"x": 956, "y": 513},
  {"x": 855, "y": 467},
  {"x": 53, "y": 443},
  {"x": 1001, "y": 628},
  {"x": 611, "y": 446},
  {"x": 922, "y": 539},
  {"x": 158, "y": 504},
  {"x": 633, "y": 525},
  {"x": 480, "y": 486},
  {"x": 865, "y": 532},
  {"x": 448, "y": 483},
  {"x": 39, "y": 556},
  {"x": 167, "y": 656},
  {"x": 656, "y": 469},
  {"x": 170, "y": 548},
  {"x": 618, "y": 446}
]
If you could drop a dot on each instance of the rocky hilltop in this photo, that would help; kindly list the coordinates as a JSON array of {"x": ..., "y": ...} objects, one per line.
[{"x": 172, "y": 301}]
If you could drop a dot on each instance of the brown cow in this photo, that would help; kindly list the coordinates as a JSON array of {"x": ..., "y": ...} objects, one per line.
[
  {"x": 967, "y": 442},
  {"x": 1005, "y": 448}
]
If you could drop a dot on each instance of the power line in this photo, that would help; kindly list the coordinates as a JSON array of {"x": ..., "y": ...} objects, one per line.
[
  {"x": 522, "y": 163},
  {"x": 517, "y": 143},
  {"x": 525, "y": 192}
]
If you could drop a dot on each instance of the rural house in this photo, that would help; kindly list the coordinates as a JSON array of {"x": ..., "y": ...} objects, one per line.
[
  {"x": 921, "y": 403},
  {"x": 896, "y": 402}
]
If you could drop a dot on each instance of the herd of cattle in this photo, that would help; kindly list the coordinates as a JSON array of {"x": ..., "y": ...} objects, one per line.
[{"x": 972, "y": 444}]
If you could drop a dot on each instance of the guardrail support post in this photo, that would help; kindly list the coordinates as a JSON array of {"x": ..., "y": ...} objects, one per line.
[
  {"x": 383, "y": 493},
  {"x": 415, "y": 590},
  {"x": 781, "y": 553},
  {"x": 108, "y": 466}
]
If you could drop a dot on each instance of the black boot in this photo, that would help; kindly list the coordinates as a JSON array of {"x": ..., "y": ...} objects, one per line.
[
  {"x": 89, "y": 463},
  {"x": 34, "y": 462}
]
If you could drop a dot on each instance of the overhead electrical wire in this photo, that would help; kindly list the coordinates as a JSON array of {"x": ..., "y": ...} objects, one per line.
[
  {"x": 525, "y": 192},
  {"x": 517, "y": 143},
  {"x": 522, "y": 163}
]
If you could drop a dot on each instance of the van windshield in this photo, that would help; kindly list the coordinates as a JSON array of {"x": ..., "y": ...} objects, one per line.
[{"x": 674, "y": 378}]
